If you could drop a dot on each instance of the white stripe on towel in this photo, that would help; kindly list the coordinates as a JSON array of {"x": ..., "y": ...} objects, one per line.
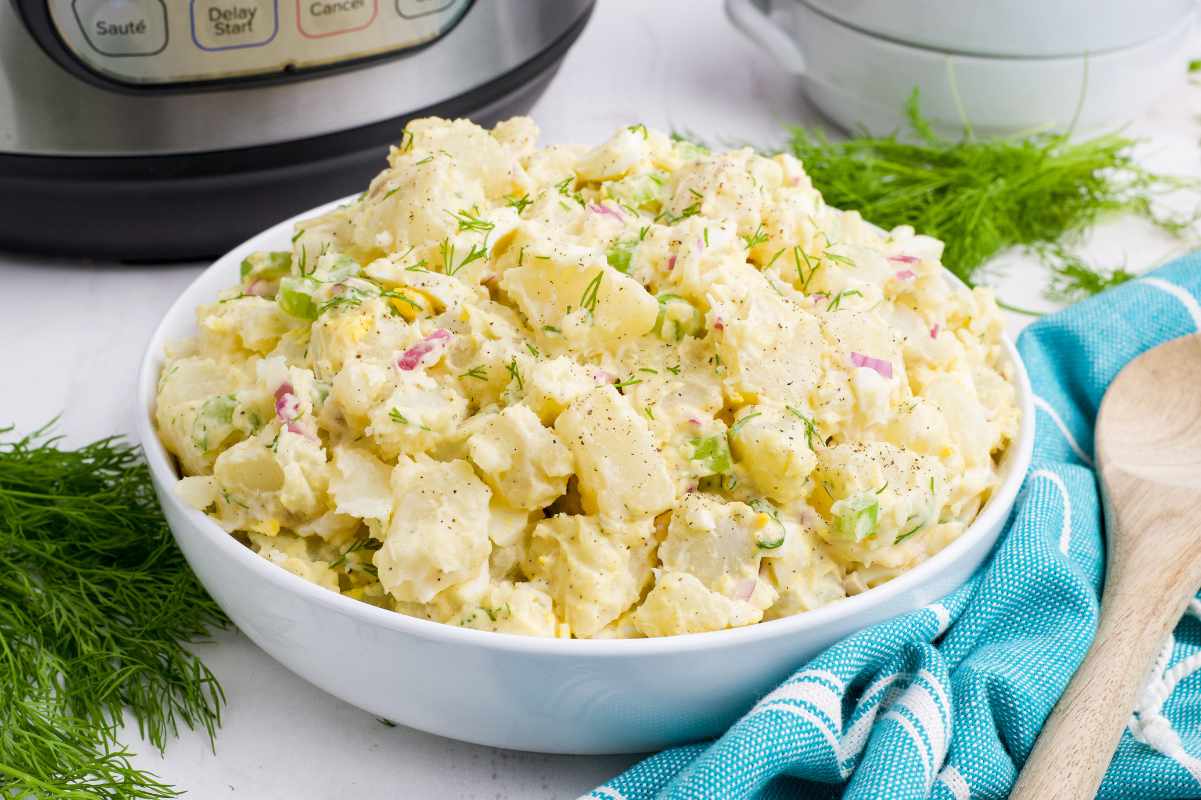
[
  {"x": 955, "y": 783},
  {"x": 1065, "y": 533},
  {"x": 1187, "y": 300},
  {"x": 1054, "y": 415}
]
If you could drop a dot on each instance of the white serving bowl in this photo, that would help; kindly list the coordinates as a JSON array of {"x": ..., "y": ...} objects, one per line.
[
  {"x": 524, "y": 693},
  {"x": 862, "y": 81},
  {"x": 1012, "y": 28}
]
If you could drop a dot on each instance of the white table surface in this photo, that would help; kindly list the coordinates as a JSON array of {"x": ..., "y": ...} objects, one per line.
[{"x": 73, "y": 334}]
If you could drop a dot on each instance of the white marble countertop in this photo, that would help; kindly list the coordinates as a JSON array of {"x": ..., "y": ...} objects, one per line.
[{"x": 74, "y": 332}]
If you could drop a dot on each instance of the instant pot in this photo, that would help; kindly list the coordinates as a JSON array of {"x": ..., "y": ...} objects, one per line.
[{"x": 172, "y": 129}]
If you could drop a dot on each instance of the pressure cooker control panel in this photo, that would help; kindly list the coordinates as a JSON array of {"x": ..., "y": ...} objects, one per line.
[{"x": 165, "y": 42}]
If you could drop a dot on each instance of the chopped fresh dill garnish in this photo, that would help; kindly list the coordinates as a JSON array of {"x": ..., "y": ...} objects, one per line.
[
  {"x": 396, "y": 294},
  {"x": 339, "y": 301},
  {"x": 477, "y": 372},
  {"x": 566, "y": 185},
  {"x": 737, "y": 426},
  {"x": 835, "y": 257},
  {"x": 515, "y": 374},
  {"x": 799, "y": 255},
  {"x": 775, "y": 256},
  {"x": 519, "y": 203},
  {"x": 447, "y": 249},
  {"x": 696, "y": 194},
  {"x": 755, "y": 239},
  {"x": 706, "y": 237},
  {"x": 591, "y": 294},
  {"x": 631, "y": 381},
  {"x": 96, "y": 605},
  {"x": 836, "y": 301},
  {"x": 398, "y": 417},
  {"x": 390, "y": 192},
  {"x": 297, "y": 235},
  {"x": 639, "y": 128},
  {"x": 642, "y": 232},
  {"x": 469, "y": 220},
  {"x": 981, "y": 196},
  {"x": 406, "y": 141},
  {"x": 551, "y": 329},
  {"x": 533, "y": 350},
  {"x": 810, "y": 427},
  {"x": 648, "y": 370},
  {"x": 909, "y": 533},
  {"x": 366, "y": 543},
  {"x": 673, "y": 370},
  {"x": 650, "y": 414},
  {"x": 425, "y": 160}
]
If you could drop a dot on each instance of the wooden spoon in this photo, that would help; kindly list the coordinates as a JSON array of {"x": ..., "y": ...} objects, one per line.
[{"x": 1148, "y": 446}]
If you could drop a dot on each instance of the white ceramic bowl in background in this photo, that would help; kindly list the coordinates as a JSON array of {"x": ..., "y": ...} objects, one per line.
[
  {"x": 524, "y": 693},
  {"x": 861, "y": 80},
  {"x": 1012, "y": 28}
]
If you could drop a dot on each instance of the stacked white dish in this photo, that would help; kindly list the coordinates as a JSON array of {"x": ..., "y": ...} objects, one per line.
[{"x": 1005, "y": 66}]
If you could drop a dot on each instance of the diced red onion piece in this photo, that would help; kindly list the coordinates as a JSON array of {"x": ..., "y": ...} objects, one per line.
[
  {"x": 906, "y": 274},
  {"x": 671, "y": 262},
  {"x": 601, "y": 208},
  {"x": 287, "y": 404},
  {"x": 878, "y": 364},
  {"x": 744, "y": 589},
  {"x": 934, "y": 331},
  {"x": 904, "y": 259},
  {"x": 719, "y": 324},
  {"x": 694, "y": 420},
  {"x": 415, "y": 356}
]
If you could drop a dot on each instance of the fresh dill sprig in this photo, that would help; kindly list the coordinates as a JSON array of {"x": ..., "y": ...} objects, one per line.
[
  {"x": 478, "y": 372},
  {"x": 447, "y": 251},
  {"x": 757, "y": 238},
  {"x": 401, "y": 419},
  {"x": 1072, "y": 279},
  {"x": 519, "y": 203},
  {"x": 469, "y": 220},
  {"x": 983, "y": 196},
  {"x": 515, "y": 374},
  {"x": 591, "y": 294},
  {"x": 836, "y": 301},
  {"x": 96, "y": 602}
]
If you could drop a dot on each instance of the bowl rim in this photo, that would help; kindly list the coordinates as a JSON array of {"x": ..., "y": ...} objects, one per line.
[
  {"x": 994, "y": 514},
  {"x": 1180, "y": 27}
]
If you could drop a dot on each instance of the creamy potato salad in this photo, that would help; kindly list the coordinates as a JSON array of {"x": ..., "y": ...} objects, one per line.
[{"x": 641, "y": 389}]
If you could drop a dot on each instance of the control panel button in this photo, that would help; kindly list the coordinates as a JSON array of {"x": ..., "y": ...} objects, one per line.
[
  {"x": 226, "y": 24},
  {"x": 318, "y": 18},
  {"x": 123, "y": 27},
  {"x": 410, "y": 9}
]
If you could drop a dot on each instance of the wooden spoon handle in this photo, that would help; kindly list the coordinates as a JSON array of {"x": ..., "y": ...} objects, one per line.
[{"x": 1075, "y": 747}]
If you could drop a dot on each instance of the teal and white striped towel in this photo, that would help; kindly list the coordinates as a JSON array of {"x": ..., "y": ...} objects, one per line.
[{"x": 946, "y": 702}]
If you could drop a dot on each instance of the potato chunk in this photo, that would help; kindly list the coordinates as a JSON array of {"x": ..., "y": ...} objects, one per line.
[
  {"x": 522, "y": 461},
  {"x": 621, "y": 472},
  {"x": 441, "y": 538}
]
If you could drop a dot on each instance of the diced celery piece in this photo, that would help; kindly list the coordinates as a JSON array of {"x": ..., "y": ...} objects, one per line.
[
  {"x": 267, "y": 265},
  {"x": 855, "y": 518},
  {"x": 712, "y": 453},
  {"x": 296, "y": 298},
  {"x": 677, "y": 318},
  {"x": 214, "y": 421},
  {"x": 620, "y": 253}
]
